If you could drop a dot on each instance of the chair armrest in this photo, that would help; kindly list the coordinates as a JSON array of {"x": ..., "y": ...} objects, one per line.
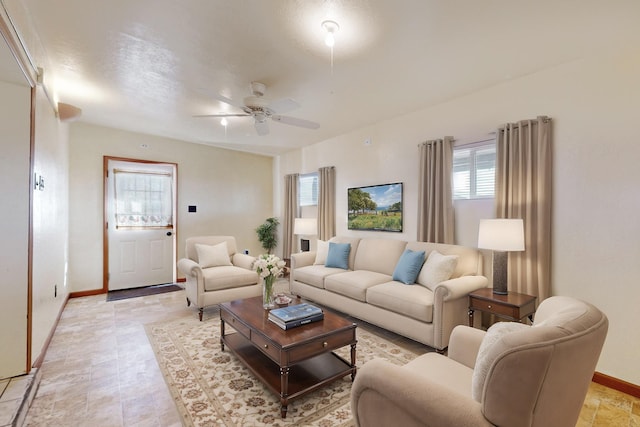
[
  {"x": 384, "y": 394},
  {"x": 302, "y": 259},
  {"x": 189, "y": 267},
  {"x": 464, "y": 344},
  {"x": 460, "y": 286},
  {"x": 243, "y": 260}
]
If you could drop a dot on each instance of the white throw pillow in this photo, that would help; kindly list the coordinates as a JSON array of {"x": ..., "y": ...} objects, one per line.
[
  {"x": 484, "y": 360},
  {"x": 322, "y": 250},
  {"x": 213, "y": 256},
  {"x": 436, "y": 269}
]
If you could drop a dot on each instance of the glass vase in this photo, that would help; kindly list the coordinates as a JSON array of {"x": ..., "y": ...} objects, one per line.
[{"x": 267, "y": 292}]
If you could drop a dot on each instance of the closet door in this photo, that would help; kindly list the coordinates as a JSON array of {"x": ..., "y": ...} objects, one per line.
[{"x": 15, "y": 190}]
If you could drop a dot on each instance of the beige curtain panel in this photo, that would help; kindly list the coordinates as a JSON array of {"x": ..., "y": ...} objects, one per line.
[
  {"x": 290, "y": 213},
  {"x": 326, "y": 202},
  {"x": 435, "y": 200},
  {"x": 523, "y": 190}
]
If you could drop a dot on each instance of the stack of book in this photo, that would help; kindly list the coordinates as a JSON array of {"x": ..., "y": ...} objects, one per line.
[{"x": 295, "y": 315}]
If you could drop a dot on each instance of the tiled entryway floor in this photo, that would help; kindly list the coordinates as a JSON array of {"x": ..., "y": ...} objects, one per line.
[{"x": 100, "y": 370}]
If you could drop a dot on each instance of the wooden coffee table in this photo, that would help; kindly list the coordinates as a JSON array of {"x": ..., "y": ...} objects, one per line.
[{"x": 290, "y": 363}]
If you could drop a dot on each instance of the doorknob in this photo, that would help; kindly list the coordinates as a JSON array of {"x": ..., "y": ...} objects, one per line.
[{"x": 169, "y": 233}]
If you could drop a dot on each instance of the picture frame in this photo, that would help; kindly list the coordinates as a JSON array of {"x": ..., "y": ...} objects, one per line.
[{"x": 375, "y": 207}]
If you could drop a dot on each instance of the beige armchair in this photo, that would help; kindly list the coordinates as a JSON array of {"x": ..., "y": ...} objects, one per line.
[
  {"x": 216, "y": 273},
  {"x": 512, "y": 375}
]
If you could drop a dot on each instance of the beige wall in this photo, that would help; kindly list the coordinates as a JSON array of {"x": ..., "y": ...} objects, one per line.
[
  {"x": 232, "y": 190},
  {"x": 50, "y": 221},
  {"x": 594, "y": 104}
]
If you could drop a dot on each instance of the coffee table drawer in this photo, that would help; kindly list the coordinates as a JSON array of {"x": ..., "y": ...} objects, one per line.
[
  {"x": 267, "y": 346},
  {"x": 236, "y": 324},
  {"x": 322, "y": 345}
]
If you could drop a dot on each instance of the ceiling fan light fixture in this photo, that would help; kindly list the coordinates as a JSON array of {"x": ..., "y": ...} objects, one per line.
[{"x": 331, "y": 27}]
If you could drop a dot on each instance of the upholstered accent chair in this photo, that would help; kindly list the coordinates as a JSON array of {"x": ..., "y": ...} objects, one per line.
[
  {"x": 512, "y": 375},
  {"x": 215, "y": 272}
]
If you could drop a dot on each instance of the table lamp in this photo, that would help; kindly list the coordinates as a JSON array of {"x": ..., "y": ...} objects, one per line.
[
  {"x": 305, "y": 227},
  {"x": 501, "y": 236}
]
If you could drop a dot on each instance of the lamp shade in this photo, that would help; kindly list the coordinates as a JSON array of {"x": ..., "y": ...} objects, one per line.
[
  {"x": 501, "y": 234},
  {"x": 305, "y": 226}
]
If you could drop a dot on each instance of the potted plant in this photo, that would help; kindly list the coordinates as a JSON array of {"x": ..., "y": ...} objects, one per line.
[{"x": 267, "y": 234}]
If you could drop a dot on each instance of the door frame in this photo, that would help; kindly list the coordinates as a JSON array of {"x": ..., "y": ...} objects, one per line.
[{"x": 105, "y": 215}]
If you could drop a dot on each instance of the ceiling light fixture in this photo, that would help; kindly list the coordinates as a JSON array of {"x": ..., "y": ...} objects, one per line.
[
  {"x": 224, "y": 122},
  {"x": 331, "y": 27}
]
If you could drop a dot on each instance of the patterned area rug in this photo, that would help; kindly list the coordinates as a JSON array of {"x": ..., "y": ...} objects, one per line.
[{"x": 212, "y": 388}]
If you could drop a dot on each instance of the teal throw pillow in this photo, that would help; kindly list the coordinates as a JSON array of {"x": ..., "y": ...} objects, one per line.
[
  {"x": 338, "y": 255},
  {"x": 408, "y": 266}
]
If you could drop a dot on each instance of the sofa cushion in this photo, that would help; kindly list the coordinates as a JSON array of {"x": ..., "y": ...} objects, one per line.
[
  {"x": 379, "y": 255},
  {"x": 408, "y": 266},
  {"x": 436, "y": 269},
  {"x": 469, "y": 261},
  {"x": 322, "y": 250},
  {"x": 314, "y": 274},
  {"x": 338, "y": 255},
  {"x": 354, "y": 284},
  {"x": 486, "y": 356},
  {"x": 226, "y": 277},
  {"x": 412, "y": 301},
  {"x": 353, "y": 241},
  {"x": 213, "y": 255}
]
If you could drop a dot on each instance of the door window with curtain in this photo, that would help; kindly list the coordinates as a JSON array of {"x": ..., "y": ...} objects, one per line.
[{"x": 143, "y": 199}]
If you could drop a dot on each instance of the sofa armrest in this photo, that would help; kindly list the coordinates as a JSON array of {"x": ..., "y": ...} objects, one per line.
[
  {"x": 385, "y": 394},
  {"x": 243, "y": 260},
  {"x": 464, "y": 344},
  {"x": 189, "y": 267},
  {"x": 461, "y": 286},
  {"x": 302, "y": 259}
]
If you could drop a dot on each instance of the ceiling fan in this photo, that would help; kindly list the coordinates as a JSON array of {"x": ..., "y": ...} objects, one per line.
[{"x": 261, "y": 110}]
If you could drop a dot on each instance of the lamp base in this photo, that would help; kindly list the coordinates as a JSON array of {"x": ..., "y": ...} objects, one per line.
[
  {"x": 304, "y": 245},
  {"x": 500, "y": 272}
]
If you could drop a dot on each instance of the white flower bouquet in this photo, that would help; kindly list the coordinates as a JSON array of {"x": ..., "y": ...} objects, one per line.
[{"x": 269, "y": 267}]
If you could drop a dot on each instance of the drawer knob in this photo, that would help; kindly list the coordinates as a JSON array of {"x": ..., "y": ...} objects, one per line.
[
  {"x": 266, "y": 346},
  {"x": 489, "y": 306},
  {"x": 324, "y": 344}
]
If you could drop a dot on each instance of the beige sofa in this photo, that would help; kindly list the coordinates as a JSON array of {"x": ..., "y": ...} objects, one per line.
[
  {"x": 512, "y": 375},
  {"x": 366, "y": 290},
  {"x": 216, "y": 273}
]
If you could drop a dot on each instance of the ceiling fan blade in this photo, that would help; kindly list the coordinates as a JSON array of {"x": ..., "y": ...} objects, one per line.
[
  {"x": 296, "y": 122},
  {"x": 262, "y": 128},
  {"x": 283, "y": 105},
  {"x": 226, "y": 100},
  {"x": 222, "y": 115}
]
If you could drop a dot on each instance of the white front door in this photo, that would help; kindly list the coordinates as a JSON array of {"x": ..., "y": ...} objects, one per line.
[{"x": 140, "y": 223}]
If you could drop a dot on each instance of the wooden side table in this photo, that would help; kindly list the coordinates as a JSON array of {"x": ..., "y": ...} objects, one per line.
[{"x": 513, "y": 306}]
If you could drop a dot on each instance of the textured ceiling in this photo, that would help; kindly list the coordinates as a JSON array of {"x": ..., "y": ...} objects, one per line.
[{"x": 151, "y": 65}]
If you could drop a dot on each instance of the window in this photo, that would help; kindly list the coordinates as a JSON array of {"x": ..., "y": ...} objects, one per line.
[
  {"x": 474, "y": 170},
  {"x": 143, "y": 199},
  {"x": 308, "y": 189}
]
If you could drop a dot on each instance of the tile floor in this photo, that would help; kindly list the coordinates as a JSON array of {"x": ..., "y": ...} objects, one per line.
[{"x": 100, "y": 370}]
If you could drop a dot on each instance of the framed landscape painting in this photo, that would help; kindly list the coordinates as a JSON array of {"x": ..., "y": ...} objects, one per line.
[{"x": 376, "y": 207}]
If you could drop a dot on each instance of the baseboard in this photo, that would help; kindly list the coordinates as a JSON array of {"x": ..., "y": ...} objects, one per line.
[
  {"x": 38, "y": 362},
  {"x": 86, "y": 293},
  {"x": 617, "y": 384}
]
